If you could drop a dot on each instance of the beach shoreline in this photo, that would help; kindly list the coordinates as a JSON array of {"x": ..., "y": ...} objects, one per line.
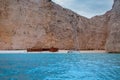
[{"x": 60, "y": 51}]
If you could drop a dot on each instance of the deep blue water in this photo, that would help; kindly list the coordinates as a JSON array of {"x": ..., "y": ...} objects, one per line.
[{"x": 59, "y": 66}]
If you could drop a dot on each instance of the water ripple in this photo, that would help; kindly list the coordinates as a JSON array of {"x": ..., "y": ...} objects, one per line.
[{"x": 60, "y": 67}]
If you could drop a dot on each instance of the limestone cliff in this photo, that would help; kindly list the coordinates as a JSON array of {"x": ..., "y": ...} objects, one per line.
[
  {"x": 36, "y": 24},
  {"x": 113, "y": 40},
  {"x": 43, "y": 24}
]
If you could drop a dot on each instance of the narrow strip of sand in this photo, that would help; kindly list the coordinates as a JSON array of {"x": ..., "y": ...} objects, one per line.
[
  {"x": 60, "y": 51},
  {"x": 93, "y": 51},
  {"x": 12, "y": 51}
]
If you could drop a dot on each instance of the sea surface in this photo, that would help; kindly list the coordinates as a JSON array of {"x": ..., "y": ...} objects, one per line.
[{"x": 60, "y": 66}]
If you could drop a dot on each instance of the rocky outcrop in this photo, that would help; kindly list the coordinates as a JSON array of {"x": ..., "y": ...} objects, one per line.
[
  {"x": 44, "y": 24},
  {"x": 113, "y": 40},
  {"x": 36, "y": 24}
]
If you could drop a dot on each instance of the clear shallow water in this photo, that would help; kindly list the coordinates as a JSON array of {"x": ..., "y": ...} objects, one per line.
[{"x": 59, "y": 66}]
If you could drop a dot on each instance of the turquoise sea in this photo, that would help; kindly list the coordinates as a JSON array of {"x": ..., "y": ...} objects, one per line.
[{"x": 60, "y": 66}]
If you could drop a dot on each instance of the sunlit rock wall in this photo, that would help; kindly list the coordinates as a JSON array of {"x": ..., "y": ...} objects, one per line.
[{"x": 44, "y": 24}]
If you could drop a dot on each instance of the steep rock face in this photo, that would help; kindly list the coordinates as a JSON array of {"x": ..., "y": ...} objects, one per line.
[
  {"x": 113, "y": 41},
  {"x": 109, "y": 28},
  {"x": 36, "y": 24},
  {"x": 43, "y": 24},
  {"x": 102, "y": 29}
]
